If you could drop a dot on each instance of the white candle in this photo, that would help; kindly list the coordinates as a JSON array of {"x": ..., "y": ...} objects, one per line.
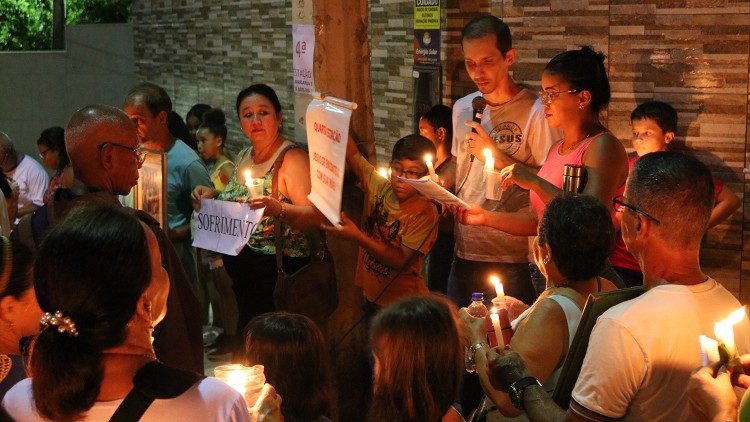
[
  {"x": 499, "y": 291},
  {"x": 254, "y": 186},
  {"x": 495, "y": 317},
  {"x": 724, "y": 330},
  {"x": 489, "y": 171},
  {"x": 489, "y": 160},
  {"x": 248, "y": 178},
  {"x": 431, "y": 168},
  {"x": 248, "y": 381}
]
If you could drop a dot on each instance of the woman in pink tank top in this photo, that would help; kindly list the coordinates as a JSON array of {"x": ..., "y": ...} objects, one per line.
[{"x": 575, "y": 89}]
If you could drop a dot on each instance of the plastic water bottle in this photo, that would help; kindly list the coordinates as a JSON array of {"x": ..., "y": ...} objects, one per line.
[{"x": 477, "y": 310}]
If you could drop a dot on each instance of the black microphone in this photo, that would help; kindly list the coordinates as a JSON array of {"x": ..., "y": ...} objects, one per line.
[{"x": 477, "y": 109}]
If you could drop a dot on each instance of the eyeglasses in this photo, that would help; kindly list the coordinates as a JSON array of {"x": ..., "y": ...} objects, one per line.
[
  {"x": 397, "y": 171},
  {"x": 140, "y": 155},
  {"x": 43, "y": 154},
  {"x": 548, "y": 96},
  {"x": 620, "y": 206}
]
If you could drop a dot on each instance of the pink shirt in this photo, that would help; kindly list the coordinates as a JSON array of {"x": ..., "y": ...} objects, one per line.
[{"x": 552, "y": 170}]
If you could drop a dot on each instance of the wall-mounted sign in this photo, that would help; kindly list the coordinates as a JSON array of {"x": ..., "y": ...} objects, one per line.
[{"x": 426, "y": 32}]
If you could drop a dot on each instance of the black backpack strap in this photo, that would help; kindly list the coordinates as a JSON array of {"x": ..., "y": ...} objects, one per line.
[{"x": 153, "y": 381}]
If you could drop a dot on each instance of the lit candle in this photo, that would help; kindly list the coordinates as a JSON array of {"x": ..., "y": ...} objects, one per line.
[
  {"x": 254, "y": 186},
  {"x": 383, "y": 172},
  {"x": 709, "y": 350},
  {"x": 489, "y": 171},
  {"x": 724, "y": 331},
  {"x": 489, "y": 160},
  {"x": 248, "y": 178},
  {"x": 495, "y": 317},
  {"x": 247, "y": 380},
  {"x": 499, "y": 291},
  {"x": 431, "y": 168}
]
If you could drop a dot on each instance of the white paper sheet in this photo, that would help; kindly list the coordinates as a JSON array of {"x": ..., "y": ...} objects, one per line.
[{"x": 224, "y": 226}]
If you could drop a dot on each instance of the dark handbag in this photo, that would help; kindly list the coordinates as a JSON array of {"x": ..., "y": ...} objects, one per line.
[{"x": 311, "y": 290}]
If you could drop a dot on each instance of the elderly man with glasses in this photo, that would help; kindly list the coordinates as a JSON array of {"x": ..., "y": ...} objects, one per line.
[
  {"x": 641, "y": 352},
  {"x": 102, "y": 144}
]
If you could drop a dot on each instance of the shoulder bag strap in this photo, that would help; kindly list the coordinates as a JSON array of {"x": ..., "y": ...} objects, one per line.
[
  {"x": 153, "y": 381},
  {"x": 278, "y": 237},
  {"x": 132, "y": 407}
]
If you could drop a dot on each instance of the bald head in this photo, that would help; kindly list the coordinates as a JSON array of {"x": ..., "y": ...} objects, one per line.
[{"x": 89, "y": 137}]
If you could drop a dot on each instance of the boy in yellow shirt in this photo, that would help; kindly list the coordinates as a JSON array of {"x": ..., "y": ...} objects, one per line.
[{"x": 400, "y": 225}]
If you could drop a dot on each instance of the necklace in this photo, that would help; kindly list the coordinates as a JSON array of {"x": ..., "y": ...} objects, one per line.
[{"x": 563, "y": 150}]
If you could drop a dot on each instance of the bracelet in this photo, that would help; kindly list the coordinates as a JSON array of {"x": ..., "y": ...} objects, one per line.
[
  {"x": 282, "y": 214},
  {"x": 476, "y": 347}
]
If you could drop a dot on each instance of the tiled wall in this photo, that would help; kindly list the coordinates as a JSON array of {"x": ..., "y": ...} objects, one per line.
[{"x": 206, "y": 51}]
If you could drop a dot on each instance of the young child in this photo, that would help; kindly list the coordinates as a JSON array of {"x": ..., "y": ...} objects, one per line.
[
  {"x": 400, "y": 226},
  {"x": 654, "y": 125}
]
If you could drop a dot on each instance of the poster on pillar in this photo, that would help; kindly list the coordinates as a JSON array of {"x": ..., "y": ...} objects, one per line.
[
  {"x": 303, "y": 42},
  {"x": 327, "y": 132},
  {"x": 427, "y": 32}
]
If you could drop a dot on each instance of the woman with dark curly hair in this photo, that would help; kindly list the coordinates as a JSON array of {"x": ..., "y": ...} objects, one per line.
[{"x": 576, "y": 236}]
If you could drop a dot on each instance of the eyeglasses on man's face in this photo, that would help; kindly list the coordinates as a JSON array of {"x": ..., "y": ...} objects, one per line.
[
  {"x": 140, "y": 155},
  {"x": 620, "y": 206},
  {"x": 548, "y": 95}
]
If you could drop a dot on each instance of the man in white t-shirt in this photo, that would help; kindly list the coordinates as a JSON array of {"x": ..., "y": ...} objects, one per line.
[
  {"x": 641, "y": 352},
  {"x": 514, "y": 129},
  {"x": 29, "y": 175}
]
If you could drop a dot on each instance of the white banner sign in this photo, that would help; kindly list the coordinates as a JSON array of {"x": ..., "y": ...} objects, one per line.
[
  {"x": 327, "y": 132},
  {"x": 224, "y": 226},
  {"x": 303, "y": 41}
]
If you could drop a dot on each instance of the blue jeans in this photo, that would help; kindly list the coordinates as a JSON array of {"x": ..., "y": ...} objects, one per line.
[{"x": 467, "y": 277}]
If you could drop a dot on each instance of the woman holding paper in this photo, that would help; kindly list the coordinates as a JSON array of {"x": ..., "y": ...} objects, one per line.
[
  {"x": 572, "y": 227},
  {"x": 253, "y": 270}
]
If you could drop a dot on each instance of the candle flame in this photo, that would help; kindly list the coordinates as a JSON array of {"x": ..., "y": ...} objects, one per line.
[
  {"x": 383, "y": 172},
  {"x": 248, "y": 177},
  {"x": 495, "y": 280},
  {"x": 734, "y": 317},
  {"x": 428, "y": 158},
  {"x": 487, "y": 153}
]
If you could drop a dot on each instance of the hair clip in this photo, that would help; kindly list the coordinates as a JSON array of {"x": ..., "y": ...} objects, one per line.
[{"x": 64, "y": 324}]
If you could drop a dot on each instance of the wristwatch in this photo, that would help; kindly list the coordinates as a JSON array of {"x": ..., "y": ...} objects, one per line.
[{"x": 516, "y": 390}]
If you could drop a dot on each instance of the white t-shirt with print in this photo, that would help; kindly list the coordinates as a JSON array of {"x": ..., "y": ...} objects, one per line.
[{"x": 519, "y": 129}]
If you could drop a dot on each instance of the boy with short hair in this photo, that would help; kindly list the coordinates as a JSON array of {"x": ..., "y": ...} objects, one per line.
[
  {"x": 400, "y": 225},
  {"x": 654, "y": 126}
]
